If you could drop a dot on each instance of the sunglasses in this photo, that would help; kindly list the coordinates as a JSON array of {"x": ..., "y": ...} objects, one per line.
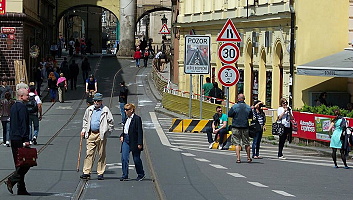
[
  {"x": 126, "y": 109},
  {"x": 285, "y": 103},
  {"x": 97, "y": 100},
  {"x": 219, "y": 110}
]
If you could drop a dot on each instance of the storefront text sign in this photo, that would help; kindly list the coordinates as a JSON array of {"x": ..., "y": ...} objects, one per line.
[{"x": 2, "y": 7}]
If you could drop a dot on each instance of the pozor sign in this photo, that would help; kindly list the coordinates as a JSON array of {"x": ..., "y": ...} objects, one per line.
[{"x": 197, "y": 54}]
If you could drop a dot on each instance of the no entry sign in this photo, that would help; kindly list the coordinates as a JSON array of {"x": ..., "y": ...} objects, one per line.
[
  {"x": 228, "y": 53},
  {"x": 228, "y": 75}
]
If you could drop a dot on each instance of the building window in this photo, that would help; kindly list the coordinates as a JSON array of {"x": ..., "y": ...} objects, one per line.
[
  {"x": 255, "y": 86},
  {"x": 241, "y": 82}
]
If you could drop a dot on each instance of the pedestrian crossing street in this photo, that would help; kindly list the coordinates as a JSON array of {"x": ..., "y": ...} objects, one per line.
[{"x": 181, "y": 142}]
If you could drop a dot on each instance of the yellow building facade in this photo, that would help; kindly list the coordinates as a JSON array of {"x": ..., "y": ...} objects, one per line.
[{"x": 264, "y": 27}]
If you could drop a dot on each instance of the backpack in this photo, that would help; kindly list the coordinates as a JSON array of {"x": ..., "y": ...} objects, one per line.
[{"x": 31, "y": 105}]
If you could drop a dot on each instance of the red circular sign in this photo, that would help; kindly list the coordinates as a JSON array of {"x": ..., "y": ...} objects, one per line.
[
  {"x": 228, "y": 75},
  {"x": 228, "y": 53}
]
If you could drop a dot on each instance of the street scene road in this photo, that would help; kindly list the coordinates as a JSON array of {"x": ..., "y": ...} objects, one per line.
[{"x": 177, "y": 165}]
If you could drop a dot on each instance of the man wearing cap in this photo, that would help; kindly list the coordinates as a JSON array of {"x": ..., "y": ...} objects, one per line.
[{"x": 98, "y": 123}]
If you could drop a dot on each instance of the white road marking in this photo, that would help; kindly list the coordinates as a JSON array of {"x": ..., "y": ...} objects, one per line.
[
  {"x": 176, "y": 149},
  {"x": 236, "y": 175},
  {"x": 159, "y": 130},
  {"x": 188, "y": 154},
  {"x": 218, "y": 166},
  {"x": 283, "y": 193},
  {"x": 64, "y": 108},
  {"x": 257, "y": 184},
  {"x": 202, "y": 160}
]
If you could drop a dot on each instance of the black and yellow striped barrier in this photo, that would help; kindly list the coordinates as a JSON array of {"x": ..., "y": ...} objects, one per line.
[{"x": 190, "y": 125}]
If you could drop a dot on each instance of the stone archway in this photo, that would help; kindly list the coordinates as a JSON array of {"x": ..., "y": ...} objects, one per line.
[{"x": 277, "y": 73}]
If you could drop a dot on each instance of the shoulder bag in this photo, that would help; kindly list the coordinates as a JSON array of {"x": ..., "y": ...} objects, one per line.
[
  {"x": 277, "y": 128},
  {"x": 254, "y": 127}
]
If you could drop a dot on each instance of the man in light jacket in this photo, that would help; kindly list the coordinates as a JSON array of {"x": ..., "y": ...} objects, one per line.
[{"x": 98, "y": 123}]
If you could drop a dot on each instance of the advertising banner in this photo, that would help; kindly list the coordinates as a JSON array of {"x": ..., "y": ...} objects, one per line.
[
  {"x": 314, "y": 126},
  {"x": 2, "y": 7}
]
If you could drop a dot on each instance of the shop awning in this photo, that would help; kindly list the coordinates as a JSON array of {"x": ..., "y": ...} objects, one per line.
[{"x": 336, "y": 65}]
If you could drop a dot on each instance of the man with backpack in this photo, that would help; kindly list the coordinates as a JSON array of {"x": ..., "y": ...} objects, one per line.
[
  {"x": 34, "y": 107},
  {"x": 217, "y": 93}
]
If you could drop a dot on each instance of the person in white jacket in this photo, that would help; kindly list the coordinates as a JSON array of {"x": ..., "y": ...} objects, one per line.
[{"x": 98, "y": 123}]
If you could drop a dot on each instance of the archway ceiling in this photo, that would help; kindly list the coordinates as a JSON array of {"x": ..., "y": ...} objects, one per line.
[{"x": 111, "y": 5}]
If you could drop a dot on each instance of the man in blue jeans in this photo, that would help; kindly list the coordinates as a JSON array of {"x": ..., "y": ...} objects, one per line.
[
  {"x": 219, "y": 127},
  {"x": 123, "y": 100},
  {"x": 132, "y": 140}
]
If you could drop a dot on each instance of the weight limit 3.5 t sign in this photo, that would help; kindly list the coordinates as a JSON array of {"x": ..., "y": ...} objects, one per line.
[{"x": 197, "y": 54}]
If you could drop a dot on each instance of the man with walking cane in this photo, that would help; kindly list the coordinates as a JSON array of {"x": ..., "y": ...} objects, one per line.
[{"x": 98, "y": 123}]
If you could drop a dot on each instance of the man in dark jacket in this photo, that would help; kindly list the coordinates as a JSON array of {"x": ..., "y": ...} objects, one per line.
[
  {"x": 132, "y": 140},
  {"x": 241, "y": 113},
  {"x": 74, "y": 70},
  {"x": 19, "y": 135},
  {"x": 85, "y": 67},
  {"x": 216, "y": 92},
  {"x": 64, "y": 68},
  {"x": 123, "y": 100}
]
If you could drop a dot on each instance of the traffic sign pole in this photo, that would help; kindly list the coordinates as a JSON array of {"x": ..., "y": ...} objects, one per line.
[
  {"x": 201, "y": 95},
  {"x": 227, "y": 103}
]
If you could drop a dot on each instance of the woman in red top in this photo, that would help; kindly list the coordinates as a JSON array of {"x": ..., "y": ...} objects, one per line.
[{"x": 137, "y": 56}]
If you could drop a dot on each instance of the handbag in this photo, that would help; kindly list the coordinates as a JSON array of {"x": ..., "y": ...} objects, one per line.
[
  {"x": 294, "y": 125},
  {"x": 254, "y": 128},
  {"x": 277, "y": 128},
  {"x": 26, "y": 157}
]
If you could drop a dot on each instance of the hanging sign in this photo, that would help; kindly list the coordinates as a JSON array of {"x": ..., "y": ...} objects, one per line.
[{"x": 164, "y": 29}]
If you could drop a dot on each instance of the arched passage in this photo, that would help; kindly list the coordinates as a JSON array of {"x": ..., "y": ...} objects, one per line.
[
  {"x": 96, "y": 24},
  {"x": 277, "y": 74}
]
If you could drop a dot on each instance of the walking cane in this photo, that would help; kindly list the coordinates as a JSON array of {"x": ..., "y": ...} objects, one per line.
[{"x": 79, "y": 154}]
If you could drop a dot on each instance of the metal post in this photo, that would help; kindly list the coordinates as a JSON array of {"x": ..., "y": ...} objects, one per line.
[
  {"x": 190, "y": 102},
  {"x": 291, "y": 52},
  {"x": 227, "y": 104},
  {"x": 201, "y": 95}
]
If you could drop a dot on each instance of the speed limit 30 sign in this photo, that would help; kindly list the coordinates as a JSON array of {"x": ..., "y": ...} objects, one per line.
[
  {"x": 228, "y": 53},
  {"x": 228, "y": 75}
]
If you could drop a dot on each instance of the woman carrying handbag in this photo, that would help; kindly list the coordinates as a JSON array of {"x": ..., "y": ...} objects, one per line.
[{"x": 285, "y": 115}]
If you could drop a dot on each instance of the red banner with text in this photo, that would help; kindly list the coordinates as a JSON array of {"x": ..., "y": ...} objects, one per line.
[
  {"x": 314, "y": 126},
  {"x": 2, "y": 7}
]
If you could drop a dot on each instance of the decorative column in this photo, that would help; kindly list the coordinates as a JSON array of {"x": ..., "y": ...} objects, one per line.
[{"x": 127, "y": 27}]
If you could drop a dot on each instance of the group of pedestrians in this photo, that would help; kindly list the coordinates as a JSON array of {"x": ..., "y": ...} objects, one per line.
[
  {"x": 141, "y": 54},
  {"x": 241, "y": 113}
]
